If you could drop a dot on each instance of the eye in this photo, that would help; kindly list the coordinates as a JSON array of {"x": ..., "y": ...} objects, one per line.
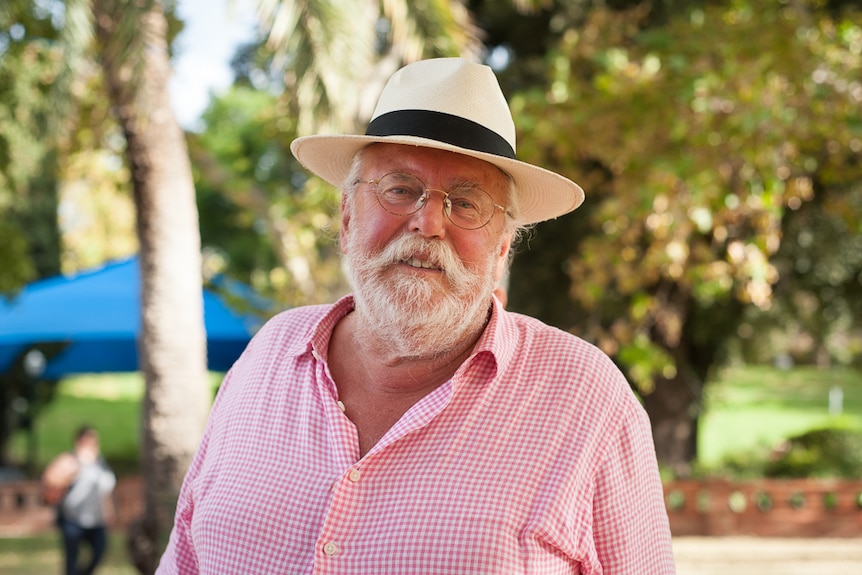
[
  {"x": 402, "y": 194},
  {"x": 465, "y": 201},
  {"x": 400, "y": 191},
  {"x": 397, "y": 188}
]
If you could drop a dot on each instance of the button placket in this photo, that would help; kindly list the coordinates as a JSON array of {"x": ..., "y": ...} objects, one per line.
[{"x": 343, "y": 503}]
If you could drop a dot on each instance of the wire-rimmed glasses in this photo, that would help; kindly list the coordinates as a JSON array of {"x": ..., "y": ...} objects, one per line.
[{"x": 467, "y": 206}]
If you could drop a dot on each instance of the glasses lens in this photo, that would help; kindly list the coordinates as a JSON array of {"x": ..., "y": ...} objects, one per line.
[
  {"x": 471, "y": 208},
  {"x": 400, "y": 194},
  {"x": 467, "y": 207}
]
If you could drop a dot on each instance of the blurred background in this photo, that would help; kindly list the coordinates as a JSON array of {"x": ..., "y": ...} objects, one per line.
[{"x": 717, "y": 259}]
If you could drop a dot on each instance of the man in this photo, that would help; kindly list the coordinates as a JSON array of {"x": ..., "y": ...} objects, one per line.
[
  {"x": 416, "y": 426},
  {"x": 83, "y": 482}
]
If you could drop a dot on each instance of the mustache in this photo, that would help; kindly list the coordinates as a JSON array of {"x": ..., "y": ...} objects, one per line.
[{"x": 437, "y": 252}]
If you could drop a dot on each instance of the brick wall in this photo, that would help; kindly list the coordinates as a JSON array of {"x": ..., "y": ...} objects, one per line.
[
  {"x": 766, "y": 507},
  {"x": 22, "y": 511}
]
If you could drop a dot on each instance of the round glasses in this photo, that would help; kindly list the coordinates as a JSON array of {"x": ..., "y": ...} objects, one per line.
[{"x": 466, "y": 206}]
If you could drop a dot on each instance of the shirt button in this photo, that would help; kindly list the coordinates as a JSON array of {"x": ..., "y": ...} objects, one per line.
[
  {"x": 330, "y": 549},
  {"x": 354, "y": 475},
  {"x": 315, "y": 354}
]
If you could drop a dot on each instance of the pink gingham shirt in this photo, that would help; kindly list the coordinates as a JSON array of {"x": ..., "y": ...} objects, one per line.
[{"x": 534, "y": 458}]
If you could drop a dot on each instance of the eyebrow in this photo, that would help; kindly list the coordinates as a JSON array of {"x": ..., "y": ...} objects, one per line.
[
  {"x": 455, "y": 182},
  {"x": 460, "y": 183}
]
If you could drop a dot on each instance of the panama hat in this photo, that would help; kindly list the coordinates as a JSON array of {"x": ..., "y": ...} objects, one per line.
[{"x": 448, "y": 104}]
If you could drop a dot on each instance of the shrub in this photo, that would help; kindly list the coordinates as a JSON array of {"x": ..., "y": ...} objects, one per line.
[{"x": 829, "y": 452}]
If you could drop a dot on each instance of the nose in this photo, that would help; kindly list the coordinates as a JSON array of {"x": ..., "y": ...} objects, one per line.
[{"x": 430, "y": 220}]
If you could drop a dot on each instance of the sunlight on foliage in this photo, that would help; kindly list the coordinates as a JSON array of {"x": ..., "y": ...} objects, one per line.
[{"x": 709, "y": 131}]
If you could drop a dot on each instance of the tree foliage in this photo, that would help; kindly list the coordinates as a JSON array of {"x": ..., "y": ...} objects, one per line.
[
  {"x": 695, "y": 140},
  {"x": 31, "y": 73},
  {"x": 816, "y": 316},
  {"x": 826, "y": 452},
  {"x": 334, "y": 56},
  {"x": 64, "y": 189},
  {"x": 319, "y": 67},
  {"x": 260, "y": 219}
]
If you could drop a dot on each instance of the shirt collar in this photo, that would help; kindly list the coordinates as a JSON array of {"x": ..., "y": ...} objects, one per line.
[
  {"x": 496, "y": 343},
  {"x": 319, "y": 335}
]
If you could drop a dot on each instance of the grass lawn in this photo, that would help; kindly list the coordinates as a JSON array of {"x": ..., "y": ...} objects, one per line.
[
  {"x": 752, "y": 409},
  {"x": 41, "y": 555},
  {"x": 111, "y": 403}
]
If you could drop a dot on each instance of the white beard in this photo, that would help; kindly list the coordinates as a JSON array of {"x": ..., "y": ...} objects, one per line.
[{"x": 414, "y": 315}]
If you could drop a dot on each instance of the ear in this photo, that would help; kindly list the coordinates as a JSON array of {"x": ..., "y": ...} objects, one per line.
[
  {"x": 345, "y": 221},
  {"x": 502, "y": 259}
]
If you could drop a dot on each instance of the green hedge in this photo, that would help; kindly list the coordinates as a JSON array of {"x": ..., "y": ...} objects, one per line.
[{"x": 828, "y": 452}]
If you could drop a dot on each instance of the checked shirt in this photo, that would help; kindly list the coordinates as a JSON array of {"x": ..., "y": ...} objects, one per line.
[{"x": 536, "y": 457}]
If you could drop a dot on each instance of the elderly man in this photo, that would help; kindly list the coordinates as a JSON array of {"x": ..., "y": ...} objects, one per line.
[{"x": 416, "y": 426}]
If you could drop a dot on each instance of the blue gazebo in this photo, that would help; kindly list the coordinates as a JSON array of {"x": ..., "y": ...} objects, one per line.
[{"x": 96, "y": 316}]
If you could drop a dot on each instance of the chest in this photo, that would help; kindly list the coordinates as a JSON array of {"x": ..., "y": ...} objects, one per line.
[{"x": 458, "y": 486}]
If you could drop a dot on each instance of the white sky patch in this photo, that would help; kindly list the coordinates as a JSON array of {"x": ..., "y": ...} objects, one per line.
[{"x": 203, "y": 51}]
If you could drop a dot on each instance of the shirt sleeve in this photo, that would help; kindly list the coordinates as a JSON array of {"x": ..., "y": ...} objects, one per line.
[
  {"x": 107, "y": 480},
  {"x": 630, "y": 523},
  {"x": 180, "y": 557}
]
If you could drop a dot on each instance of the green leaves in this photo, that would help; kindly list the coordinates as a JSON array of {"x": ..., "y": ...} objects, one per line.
[
  {"x": 710, "y": 128},
  {"x": 269, "y": 224}
]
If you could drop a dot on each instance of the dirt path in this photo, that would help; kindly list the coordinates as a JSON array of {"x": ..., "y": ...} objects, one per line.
[{"x": 756, "y": 556}]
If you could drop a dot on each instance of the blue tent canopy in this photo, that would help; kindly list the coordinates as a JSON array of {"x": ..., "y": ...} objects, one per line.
[{"x": 97, "y": 314}]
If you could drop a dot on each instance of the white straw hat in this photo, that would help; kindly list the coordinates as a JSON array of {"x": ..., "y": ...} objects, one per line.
[{"x": 447, "y": 104}]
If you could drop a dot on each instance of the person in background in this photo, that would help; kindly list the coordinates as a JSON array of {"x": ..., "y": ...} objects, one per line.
[
  {"x": 80, "y": 483},
  {"x": 416, "y": 425}
]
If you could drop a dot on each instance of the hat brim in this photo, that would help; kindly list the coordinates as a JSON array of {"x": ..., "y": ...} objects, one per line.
[{"x": 542, "y": 194}]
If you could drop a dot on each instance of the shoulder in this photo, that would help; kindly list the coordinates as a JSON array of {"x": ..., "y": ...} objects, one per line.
[
  {"x": 60, "y": 468},
  {"x": 563, "y": 364},
  {"x": 554, "y": 348},
  {"x": 280, "y": 341},
  {"x": 287, "y": 330},
  {"x": 57, "y": 477},
  {"x": 296, "y": 321}
]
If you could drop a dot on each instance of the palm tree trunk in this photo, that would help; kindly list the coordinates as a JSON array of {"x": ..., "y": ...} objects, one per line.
[{"x": 172, "y": 345}]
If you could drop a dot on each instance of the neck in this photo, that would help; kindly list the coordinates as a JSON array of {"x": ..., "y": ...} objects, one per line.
[
  {"x": 391, "y": 362},
  {"x": 385, "y": 354},
  {"x": 377, "y": 384}
]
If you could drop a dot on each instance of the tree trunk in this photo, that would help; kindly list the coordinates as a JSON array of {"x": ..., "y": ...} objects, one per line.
[
  {"x": 676, "y": 403},
  {"x": 172, "y": 345},
  {"x": 674, "y": 410}
]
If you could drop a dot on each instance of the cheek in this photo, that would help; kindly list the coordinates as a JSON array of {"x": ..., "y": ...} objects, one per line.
[
  {"x": 371, "y": 235},
  {"x": 483, "y": 256}
]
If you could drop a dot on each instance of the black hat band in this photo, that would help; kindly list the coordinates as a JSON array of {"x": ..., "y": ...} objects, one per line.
[{"x": 441, "y": 127}]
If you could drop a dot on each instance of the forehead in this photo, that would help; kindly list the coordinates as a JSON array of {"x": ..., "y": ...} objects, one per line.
[{"x": 434, "y": 167}]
